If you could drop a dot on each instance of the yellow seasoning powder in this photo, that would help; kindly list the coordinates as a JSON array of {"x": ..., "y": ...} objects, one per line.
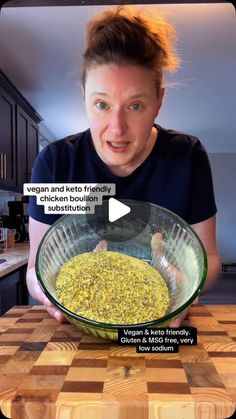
[{"x": 111, "y": 287}]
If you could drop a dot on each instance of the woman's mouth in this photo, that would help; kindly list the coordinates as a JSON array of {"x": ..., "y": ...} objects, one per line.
[{"x": 116, "y": 147}]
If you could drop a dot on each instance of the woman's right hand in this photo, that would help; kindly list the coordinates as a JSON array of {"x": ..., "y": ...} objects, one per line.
[
  {"x": 38, "y": 294},
  {"x": 36, "y": 233}
]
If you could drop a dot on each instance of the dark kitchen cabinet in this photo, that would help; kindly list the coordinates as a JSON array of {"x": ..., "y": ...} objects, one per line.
[
  {"x": 19, "y": 137},
  {"x": 13, "y": 290},
  {"x": 27, "y": 146},
  {"x": 8, "y": 176},
  {"x": 22, "y": 145},
  {"x": 33, "y": 147}
]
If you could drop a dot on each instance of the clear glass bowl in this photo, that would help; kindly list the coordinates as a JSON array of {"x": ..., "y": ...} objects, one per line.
[{"x": 178, "y": 255}]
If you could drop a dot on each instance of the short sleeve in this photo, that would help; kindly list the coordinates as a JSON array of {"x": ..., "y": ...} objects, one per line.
[{"x": 202, "y": 200}]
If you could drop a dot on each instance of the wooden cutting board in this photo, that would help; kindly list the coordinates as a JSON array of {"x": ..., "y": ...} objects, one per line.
[{"x": 50, "y": 370}]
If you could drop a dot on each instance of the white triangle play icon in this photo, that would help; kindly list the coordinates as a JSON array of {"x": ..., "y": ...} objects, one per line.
[{"x": 117, "y": 210}]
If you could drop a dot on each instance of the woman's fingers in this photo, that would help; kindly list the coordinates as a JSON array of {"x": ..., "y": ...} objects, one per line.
[
  {"x": 177, "y": 322},
  {"x": 40, "y": 296},
  {"x": 47, "y": 304},
  {"x": 55, "y": 313},
  {"x": 101, "y": 246},
  {"x": 196, "y": 301},
  {"x": 157, "y": 243}
]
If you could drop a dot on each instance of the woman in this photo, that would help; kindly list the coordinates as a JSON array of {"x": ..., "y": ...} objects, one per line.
[{"x": 126, "y": 56}]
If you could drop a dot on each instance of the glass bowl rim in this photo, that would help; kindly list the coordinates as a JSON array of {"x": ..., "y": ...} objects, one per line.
[{"x": 112, "y": 326}]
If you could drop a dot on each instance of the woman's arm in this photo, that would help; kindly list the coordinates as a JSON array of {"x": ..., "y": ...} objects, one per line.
[
  {"x": 36, "y": 233},
  {"x": 206, "y": 230}
]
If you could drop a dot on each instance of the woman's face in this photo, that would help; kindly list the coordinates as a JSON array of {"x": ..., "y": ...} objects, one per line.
[{"x": 121, "y": 104}]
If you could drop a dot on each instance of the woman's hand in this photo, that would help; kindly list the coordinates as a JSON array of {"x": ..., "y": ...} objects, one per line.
[
  {"x": 37, "y": 293},
  {"x": 158, "y": 249},
  {"x": 177, "y": 322},
  {"x": 36, "y": 233}
]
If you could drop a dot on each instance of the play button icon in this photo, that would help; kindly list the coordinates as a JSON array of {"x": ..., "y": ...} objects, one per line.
[
  {"x": 117, "y": 221},
  {"x": 117, "y": 210}
]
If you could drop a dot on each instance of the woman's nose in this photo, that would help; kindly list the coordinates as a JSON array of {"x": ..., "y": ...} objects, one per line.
[{"x": 117, "y": 123}]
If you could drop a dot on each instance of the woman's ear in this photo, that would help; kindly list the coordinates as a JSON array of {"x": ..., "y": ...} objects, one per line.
[{"x": 82, "y": 91}]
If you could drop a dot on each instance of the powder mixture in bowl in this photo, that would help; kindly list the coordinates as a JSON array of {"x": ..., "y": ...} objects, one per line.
[{"x": 112, "y": 287}]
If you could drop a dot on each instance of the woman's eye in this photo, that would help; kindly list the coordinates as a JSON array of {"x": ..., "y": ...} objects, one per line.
[
  {"x": 136, "y": 107},
  {"x": 101, "y": 105}
]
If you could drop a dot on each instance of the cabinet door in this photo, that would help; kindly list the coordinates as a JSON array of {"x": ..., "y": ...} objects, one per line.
[
  {"x": 13, "y": 290},
  {"x": 27, "y": 146},
  {"x": 8, "y": 176},
  {"x": 22, "y": 148},
  {"x": 33, "y": 146}
]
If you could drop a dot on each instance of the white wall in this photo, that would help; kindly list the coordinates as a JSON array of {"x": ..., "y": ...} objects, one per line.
[{"x": 224, "y": 176}]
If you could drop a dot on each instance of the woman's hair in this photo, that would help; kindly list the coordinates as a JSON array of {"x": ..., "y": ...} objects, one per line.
[{"x": 125, "y": 35}]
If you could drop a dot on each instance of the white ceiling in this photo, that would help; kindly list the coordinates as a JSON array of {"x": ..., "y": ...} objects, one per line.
[{"x": 41, "y": 51}]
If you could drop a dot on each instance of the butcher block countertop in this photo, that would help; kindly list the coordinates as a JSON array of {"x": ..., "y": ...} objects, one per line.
[{"x": 50, "y": 370}]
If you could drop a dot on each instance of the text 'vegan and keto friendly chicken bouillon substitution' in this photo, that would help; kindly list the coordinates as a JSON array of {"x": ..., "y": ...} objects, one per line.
[{"x": 112, "y": 287}]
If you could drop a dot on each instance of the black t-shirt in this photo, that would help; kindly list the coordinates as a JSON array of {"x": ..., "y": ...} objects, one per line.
[{"x": 176, "y": 174}]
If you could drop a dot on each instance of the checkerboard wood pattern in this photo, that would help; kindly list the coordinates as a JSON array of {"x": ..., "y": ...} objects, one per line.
[{"x": 50, "y": 370}]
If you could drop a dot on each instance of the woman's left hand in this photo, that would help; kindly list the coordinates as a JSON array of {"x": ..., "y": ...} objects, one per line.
[{"x": 177, "y": 322}]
